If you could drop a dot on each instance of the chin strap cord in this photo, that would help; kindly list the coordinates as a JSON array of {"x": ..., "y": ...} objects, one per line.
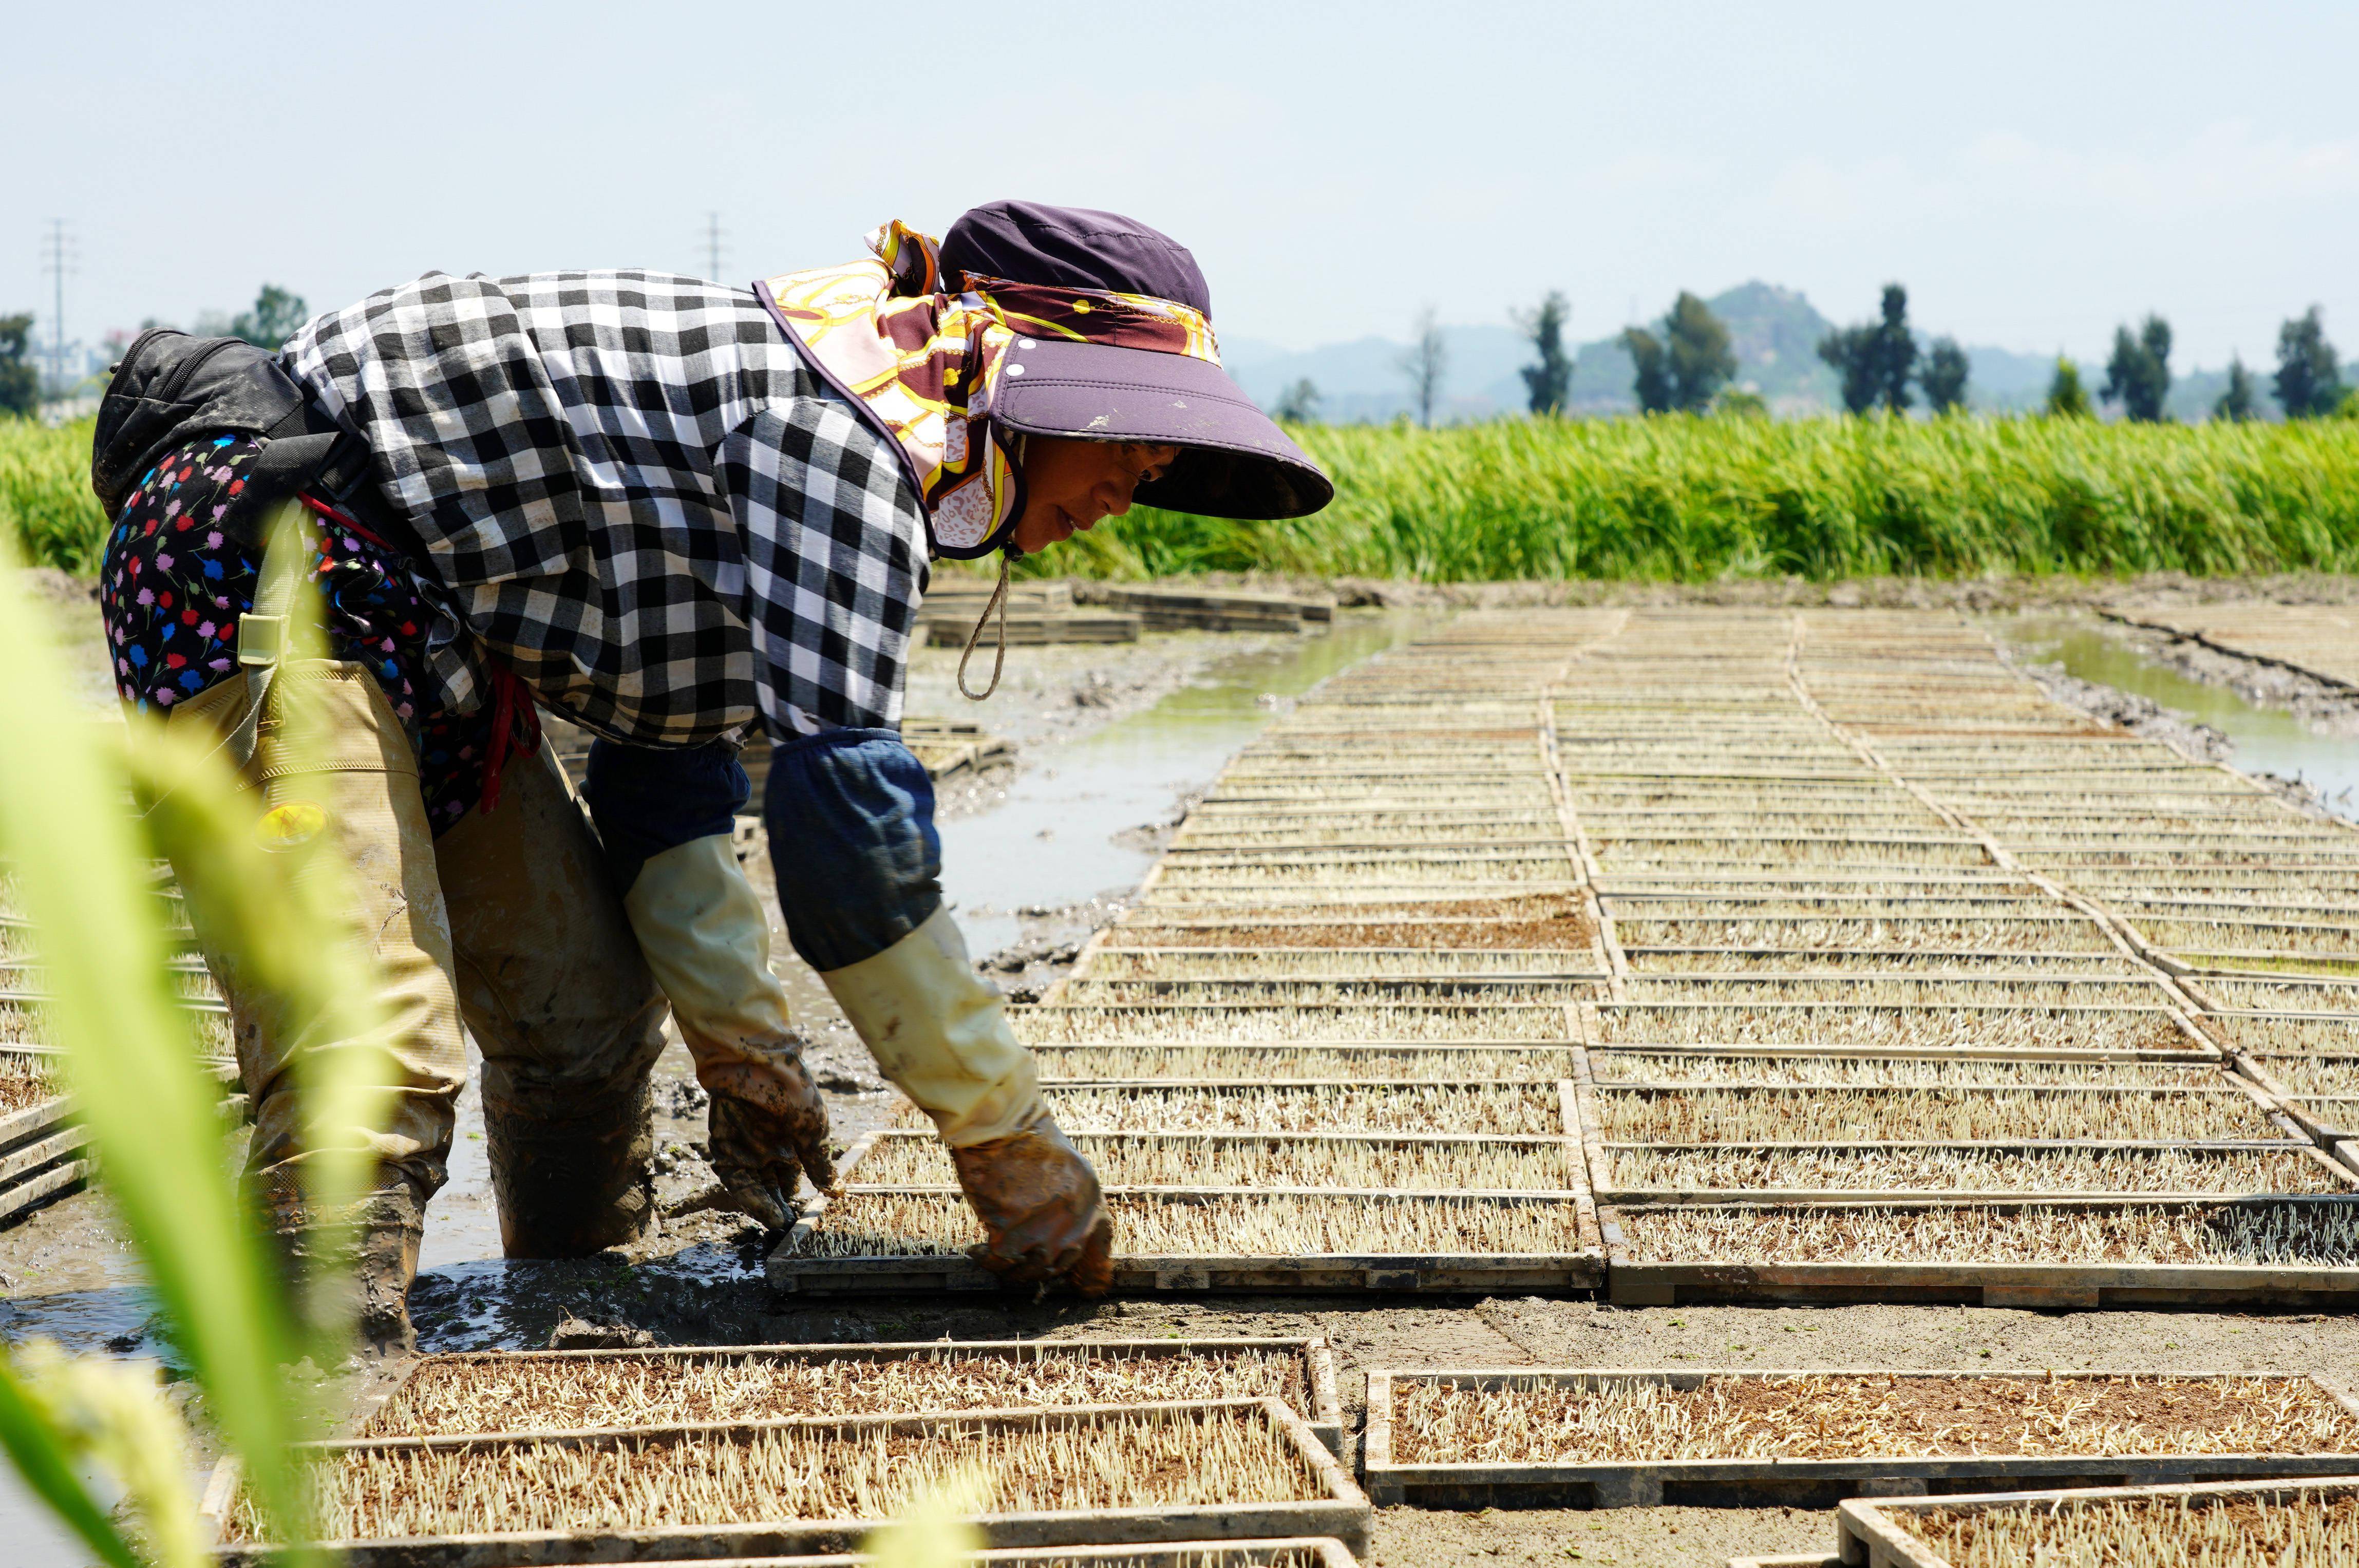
[{"x": 999, "y": 659}]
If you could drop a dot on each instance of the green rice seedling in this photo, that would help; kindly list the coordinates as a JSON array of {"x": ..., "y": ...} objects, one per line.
[
  {"x": 1275, "y": 1225},
  {"x": 1930, "y": 1114},
  {"x": 2310, "y": 1234},
  {"x": 1806, "y": 1023},
  {"x": 1402, "y": 1164},
  {"x": 1901, "y": 990},
  {"x": 632, "y": 1481},
  {"x": 1989, "y": 967},
  {"x": 1900, "y": 1168},
  {"x": 1342, "y": 1063},
  {"x": 2159, "y": 1533},
  {"x": 448, "y": 1394},
  {"x": 1338, "y": 964},
  {"x": 1863, "y": 1415},
  {"x": 1099, "y": 1025},
  {"x": 1513, "y": 1108},
  {"x": 1340, "y": 991},
  {"x": 1609, "y": 1065}
]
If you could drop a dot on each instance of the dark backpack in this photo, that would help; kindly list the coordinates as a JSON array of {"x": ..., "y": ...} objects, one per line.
[{"x": 171, "y": 389}]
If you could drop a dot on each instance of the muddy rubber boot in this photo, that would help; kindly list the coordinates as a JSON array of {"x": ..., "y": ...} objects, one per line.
[
  {"x": 701, "y": 929},
  {"x": 358, "y": 1275},
  {"x": 573, "y": 1185},
  {"x": 566, "y": 1015},
  {"x": 1040, "y": 1203}
]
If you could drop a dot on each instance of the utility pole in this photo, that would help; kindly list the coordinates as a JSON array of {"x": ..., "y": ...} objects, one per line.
[
  {"x": 56, "y": 262},
  {"x": 713, "y": 247}
]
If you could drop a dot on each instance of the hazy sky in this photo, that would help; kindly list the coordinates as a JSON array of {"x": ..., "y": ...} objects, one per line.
[{"x": 2034, "y": 173}]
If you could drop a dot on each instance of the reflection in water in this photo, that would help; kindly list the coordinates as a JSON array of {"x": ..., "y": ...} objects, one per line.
[{"x": 2268, "y": 740}]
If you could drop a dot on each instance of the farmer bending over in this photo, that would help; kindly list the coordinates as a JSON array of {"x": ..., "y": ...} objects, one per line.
[{"x": 682, "y": 515}]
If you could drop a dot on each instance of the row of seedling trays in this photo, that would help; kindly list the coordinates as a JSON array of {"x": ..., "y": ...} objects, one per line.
[
  {"x": 1146, "y": 1454},
  {"x": 1094, "y": 1451}
]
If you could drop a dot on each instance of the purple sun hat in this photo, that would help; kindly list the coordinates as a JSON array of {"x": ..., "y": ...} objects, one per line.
[{"x": 1234, "y": 461}]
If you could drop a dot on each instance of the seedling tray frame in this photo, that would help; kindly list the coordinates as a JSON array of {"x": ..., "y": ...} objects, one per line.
[
  {"x": 1325, "y": 1416},
  {"x": 1761, "y": 1483},
  {"x": 1583, "y": 1268},
  {"x": 1603, "y": 1185},
  {"x": 1868, "y": 1533},
  {"x": 1340, "y": 1510},
  {"x": 2057, "y": 1287}
]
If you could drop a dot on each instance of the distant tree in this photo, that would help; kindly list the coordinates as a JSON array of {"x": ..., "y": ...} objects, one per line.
[
  {"x": 1852, "y": 351},
  {"x": 1651, "y": 384},
  {"x": 2309, "y": 377},
  {"x": 1738, "y": 402},
  {"x": 1550, "y": 381},
  {"x": 20, "y": 379},
  {"x": 1943, "y": 377},
  {"x": 1874, "y": 361},
  {"x": 1299, "y": 404},
  {"x": 2137, "y": 377},
  {"x": 1896, "y": 351},
  {"x": 1696, "y": 346},
  {"x": 2067, "y": 399},
  {"x": 275, "y": 314},
  {"x": 1425, "y": 363},
  {"x": 2242, "y": 400}
]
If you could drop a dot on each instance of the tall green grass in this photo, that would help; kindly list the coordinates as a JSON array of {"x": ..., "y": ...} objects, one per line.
[
  {"x": 1668, "y": 498},
  {"x": 1683, "y": 498},
  {"x": 46, "y": 506}
]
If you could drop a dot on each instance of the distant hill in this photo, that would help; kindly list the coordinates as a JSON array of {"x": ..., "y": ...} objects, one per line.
[{"x": 1774, "y": 331}]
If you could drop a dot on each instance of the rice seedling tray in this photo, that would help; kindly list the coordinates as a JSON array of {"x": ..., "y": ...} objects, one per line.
[
  {"x": 2056, "y": 1253},
  {"x": 1197, "y": 1470},
  {"x": 2118, "y": 1170},
  {"x": 914, "y": 1240},
  {"x": 42, "y": 1153},
  {"x": 1882, "y": 1026},
  {"x": 1743, "y": 1437},
  {"x": 2198, "y": 1524},
  {"x": 1291, "y": 1551},
  {"x": 1112, "y": 1023},
  {"x": 1689, "y": 1113},
  {"x": 1276, "y": 1105},
  {"x": 1352, "y": 1061},
  {"x": 1463, "y": 1164},
  {"x": 581, "y": 1391},
  {"x": 1904, "y": 1066}
]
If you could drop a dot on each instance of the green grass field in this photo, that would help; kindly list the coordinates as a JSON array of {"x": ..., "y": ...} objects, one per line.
[{"x": 1670, "y": 499}]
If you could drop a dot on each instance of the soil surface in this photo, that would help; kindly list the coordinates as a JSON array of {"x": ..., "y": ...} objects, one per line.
[{"x": 698, "y": 1280}]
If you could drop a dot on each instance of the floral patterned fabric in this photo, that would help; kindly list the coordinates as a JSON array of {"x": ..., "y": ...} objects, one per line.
[
  {"x": 925, "y": 362},
  {"x": 174, "y": 584}
]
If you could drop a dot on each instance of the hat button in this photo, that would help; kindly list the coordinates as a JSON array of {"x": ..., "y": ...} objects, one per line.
[{"x": 1014, "y": 370}]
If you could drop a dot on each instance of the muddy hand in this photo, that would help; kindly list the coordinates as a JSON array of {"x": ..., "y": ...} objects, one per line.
[
  {"x": 768, "y": 1128},
  {"x": 1039, "y": 1201}
]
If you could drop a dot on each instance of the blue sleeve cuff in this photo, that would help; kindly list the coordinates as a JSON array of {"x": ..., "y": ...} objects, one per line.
[
  {"x": 851, "y": 818},
  {"x": 644, "y": 799}
]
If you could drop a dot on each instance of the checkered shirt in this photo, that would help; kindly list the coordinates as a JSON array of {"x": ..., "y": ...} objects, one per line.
[{"x": 637, "y": 495}]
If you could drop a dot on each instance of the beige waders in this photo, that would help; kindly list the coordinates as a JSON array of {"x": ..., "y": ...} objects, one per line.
[{"x": 509, "y": 924}]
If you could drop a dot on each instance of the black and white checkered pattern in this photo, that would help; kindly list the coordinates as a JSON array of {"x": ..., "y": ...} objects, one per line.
[{"x": 637, "y": 495}]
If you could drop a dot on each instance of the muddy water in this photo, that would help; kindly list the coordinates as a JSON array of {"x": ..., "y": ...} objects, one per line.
[
  {"x": 1063, "y": 833},
  {"x": 2266, "y": 740}
]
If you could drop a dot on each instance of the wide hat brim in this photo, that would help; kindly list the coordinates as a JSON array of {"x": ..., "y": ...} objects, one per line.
[{"x": 1234, "y": 462}]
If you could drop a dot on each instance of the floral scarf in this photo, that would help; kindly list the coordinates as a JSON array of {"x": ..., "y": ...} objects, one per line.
[{"x": 925, "y": 363}]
